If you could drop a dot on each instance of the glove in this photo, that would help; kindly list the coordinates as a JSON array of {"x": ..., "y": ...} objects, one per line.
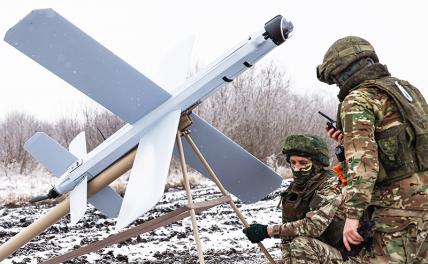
[
  {"x": 366, "y": 231},
  {"x": 256, "y": 232}
]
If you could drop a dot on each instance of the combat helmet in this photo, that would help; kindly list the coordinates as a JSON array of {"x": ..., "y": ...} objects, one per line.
[
  {"x": 342, "y": 54},
  {"x": 310, "y": 146}
]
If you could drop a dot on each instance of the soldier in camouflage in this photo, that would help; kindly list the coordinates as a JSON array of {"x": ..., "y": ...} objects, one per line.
[
  {"x": 385, "y": 135},
  {"x": 313, "y": 215}
]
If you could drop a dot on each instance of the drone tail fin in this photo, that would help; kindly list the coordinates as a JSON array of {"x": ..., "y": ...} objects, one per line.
[{"x": 54, "y": 157}]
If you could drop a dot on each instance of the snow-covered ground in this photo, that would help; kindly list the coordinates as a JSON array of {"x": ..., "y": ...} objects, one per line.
[
  {"x": 220, "y": 231},
  {"x": 15, "y": 187}
]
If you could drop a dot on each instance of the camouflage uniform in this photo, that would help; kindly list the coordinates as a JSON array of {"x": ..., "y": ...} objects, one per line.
[
  {"x": 384, "y": 122},
  {"x": 312, "y": 212}
]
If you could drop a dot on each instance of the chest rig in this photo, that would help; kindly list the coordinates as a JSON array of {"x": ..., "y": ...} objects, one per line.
[
  {"x": 403, "y": 149},
  {"x": 296, "y": 201}
]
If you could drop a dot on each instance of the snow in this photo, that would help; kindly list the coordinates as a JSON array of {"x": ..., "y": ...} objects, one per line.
[
  {"x": 220, "y": 230},
  {"x": 18, "y": 187}
]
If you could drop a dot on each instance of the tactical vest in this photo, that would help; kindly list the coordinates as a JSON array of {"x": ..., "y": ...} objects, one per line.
[
  {"x": 403, "y": 149},
  {"x": 296, "y": 202}
]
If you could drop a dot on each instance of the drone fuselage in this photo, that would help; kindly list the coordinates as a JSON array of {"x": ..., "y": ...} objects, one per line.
[{"x": 191, "y": 93}]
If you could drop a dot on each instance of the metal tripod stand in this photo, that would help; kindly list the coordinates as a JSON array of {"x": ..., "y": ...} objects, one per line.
[
  {"x": 185, "y": 123},
  {"x": 189, "y": 210}
]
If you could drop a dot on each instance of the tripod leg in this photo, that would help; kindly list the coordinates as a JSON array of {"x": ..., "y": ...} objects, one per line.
[
  {"x": 220, "y": 186},
  {"x": 63, "y": 208},
  {"x": 190, "y": 200}
]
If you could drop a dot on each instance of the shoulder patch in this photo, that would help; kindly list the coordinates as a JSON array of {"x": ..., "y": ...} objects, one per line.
[{"x": 404, "y": 92}]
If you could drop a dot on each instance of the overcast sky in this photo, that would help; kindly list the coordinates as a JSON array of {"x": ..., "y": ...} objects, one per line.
[{"x": 142, "y": 32}]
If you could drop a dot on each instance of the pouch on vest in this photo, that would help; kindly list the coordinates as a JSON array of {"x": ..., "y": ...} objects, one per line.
[
  {"x": 403, "y": 149},
  {"x": 396, "y": 153}
]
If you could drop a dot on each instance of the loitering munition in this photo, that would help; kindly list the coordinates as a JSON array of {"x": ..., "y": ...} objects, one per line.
[{"x": 152, "y": 115}]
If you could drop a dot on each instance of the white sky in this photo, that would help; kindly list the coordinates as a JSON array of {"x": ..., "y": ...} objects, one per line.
[{"x": 142, "y": 32}]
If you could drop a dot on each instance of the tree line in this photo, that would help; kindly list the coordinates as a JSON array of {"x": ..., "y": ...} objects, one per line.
[{"x": 257, "y": 110}]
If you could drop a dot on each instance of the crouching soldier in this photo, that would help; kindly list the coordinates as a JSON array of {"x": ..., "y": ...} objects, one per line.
[{"x": 312, "y": 213}]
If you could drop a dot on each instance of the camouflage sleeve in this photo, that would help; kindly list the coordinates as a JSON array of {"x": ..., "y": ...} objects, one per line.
[
  {"x": 357, "y": 113},
  {"x": 323, "y": 206}
]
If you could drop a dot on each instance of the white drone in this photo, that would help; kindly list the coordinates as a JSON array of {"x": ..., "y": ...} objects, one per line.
[{"x": 152, "y": 115}]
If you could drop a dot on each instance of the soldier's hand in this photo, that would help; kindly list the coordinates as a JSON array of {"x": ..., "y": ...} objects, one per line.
[
  {"x": 335, "y": 134},
  {"x": 256, "y": 232},
  {"x": 350, "y": 233}
]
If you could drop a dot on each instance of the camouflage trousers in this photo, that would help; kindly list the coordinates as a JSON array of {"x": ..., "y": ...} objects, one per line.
[
  {"x": 311, "y": 250},
  {"x": 401, "y": 239}
]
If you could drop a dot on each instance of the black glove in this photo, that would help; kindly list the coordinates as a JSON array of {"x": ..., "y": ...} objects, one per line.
[
  {"x": 256, "y": 232},
  {"x": 366, "y": 231}
]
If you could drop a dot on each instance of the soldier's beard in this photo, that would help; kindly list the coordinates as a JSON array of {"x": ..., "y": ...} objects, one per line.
[{"x": 302, "y": 175}]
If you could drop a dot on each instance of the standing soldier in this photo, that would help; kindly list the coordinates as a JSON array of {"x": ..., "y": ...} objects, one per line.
[
  {"x": 385, "y": 135},
  {"x": 313, "y": 215}
]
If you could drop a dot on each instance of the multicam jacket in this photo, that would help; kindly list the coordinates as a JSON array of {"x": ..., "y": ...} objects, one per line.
[
  {"x": 385, "y": 163},
  {"x": 311, "y": 210}
]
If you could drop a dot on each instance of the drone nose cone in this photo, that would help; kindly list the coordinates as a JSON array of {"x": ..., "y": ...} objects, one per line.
[
  {"x": 286, "y": 28},
  {"x": 278, "y": 29}
]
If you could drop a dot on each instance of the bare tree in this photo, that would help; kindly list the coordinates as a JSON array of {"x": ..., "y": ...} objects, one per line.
[
  {"x": 15, "y": 129},
  {"x": 99, "y": 124},
  {"x": 257, "y": 110},
  {"x": 66, "y": 129}
]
